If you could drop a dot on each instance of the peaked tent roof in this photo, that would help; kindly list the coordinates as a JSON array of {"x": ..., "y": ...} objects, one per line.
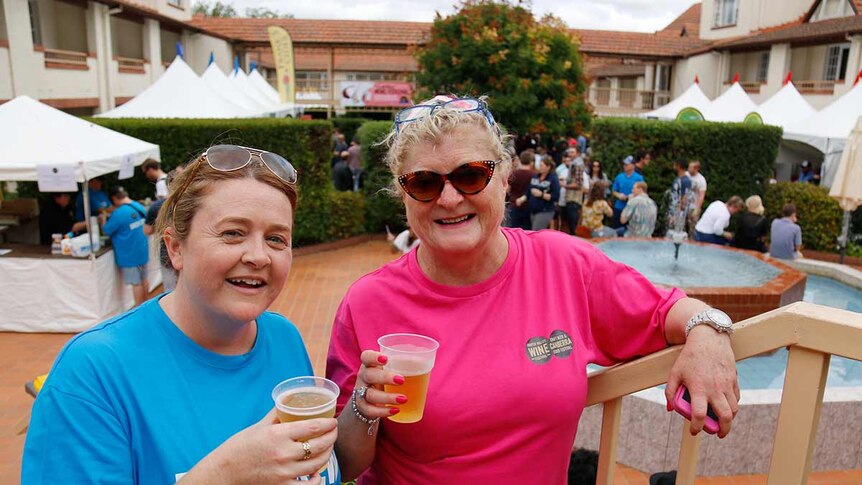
[
  {"x": 785, "y": 107},
  {"x": 259, "y": 83},
  {"x": 178, "y": 93},
  {"x": 32, "y": 133},
  {"x": 733, "y": 105},
  {"x": 692, "y": 97},
  {"x": 835, "y": 121},
  {"x": 217, "y": 80},
  {"x": 244, "y": 83}
]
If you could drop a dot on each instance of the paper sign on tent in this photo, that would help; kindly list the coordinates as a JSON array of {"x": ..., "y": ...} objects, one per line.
[
  {"x": 127, "y": 168},
  {"x": 56, "y": 178}
]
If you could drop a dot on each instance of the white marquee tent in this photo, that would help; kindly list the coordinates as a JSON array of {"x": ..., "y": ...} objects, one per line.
[
  {"x": 692, "y": 97},
  {"x": 256, "y": 80},
  {"x": 828, "y": 129},
  {"x": 246, "y": 84},
  {"x": 733, "y": 105},
  {"x": 32, "y": 133},
  {"x": 785, "y": 107},
  {"x": 179, "y": 93},
  {"x": 217, "y": 80}
]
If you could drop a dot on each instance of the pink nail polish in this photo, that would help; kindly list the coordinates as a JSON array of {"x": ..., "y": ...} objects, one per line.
[
  {"x": 382, "y": 359},
  {"x": 398, "y": 380},
  {"x": 393, "y": 411},
  {"x": 401, "y": 399}
]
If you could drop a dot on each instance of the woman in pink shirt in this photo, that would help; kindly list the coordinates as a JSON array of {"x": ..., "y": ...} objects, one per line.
[{"x": 509, "y": 383}]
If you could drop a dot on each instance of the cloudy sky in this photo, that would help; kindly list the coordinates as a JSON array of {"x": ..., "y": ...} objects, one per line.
[{"x": 630, "y": 15}]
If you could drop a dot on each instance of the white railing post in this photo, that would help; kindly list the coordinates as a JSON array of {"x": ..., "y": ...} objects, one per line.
[
  {"x": 611, "y": 412},
  {"x": 687, "y": 464}
]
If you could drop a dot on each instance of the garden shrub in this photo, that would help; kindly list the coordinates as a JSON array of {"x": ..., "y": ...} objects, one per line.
[
  {"x": 819, "y": 215},
  {"x": 381, "y": 208},
  {"x": 736, "y": 159},
  {"x": 348, "y": 126}
]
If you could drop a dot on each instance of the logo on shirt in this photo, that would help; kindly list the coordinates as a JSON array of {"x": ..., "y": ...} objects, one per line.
[{"x": 540, "y": 350}]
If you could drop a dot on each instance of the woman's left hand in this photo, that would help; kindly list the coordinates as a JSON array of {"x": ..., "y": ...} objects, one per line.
[{"x": 707, "y": 367}]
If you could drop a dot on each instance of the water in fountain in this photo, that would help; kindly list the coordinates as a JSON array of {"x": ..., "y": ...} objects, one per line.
[{"x": 677, "y": 212}]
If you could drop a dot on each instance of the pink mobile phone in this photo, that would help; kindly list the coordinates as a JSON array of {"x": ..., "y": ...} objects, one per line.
[{"x": 682, "y": 404}]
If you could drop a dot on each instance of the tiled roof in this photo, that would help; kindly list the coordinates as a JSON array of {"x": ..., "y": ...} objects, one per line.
[
  {"x": 144, "y": 9},
  {"x": 635, "y": 43},
  {"x": 319, "y": 31},
  {"x": 799, "y": 34},
  {"x": 616, "y": 70},
  {"x": 689, "y": 22}
]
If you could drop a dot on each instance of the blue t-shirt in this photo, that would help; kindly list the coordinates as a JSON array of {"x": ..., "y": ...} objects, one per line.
[
  {"x": 624, "y": 185},
  {"x": 785, "y": 237},
  {"x": 98, "y": 201},
  {"x": 551, "y": 185},
  {"x": 126, "y": 228},
  {"x": 134, "y": 400},
  {"x": 680, "y": 188}
]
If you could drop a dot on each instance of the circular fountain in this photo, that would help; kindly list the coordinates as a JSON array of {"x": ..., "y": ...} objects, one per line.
[{"x": 742, "y": 283}]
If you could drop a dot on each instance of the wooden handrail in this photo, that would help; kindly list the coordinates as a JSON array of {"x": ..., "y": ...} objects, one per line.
[
  {"x": 65, "y": 57},
  {"x": 812, "y": 332},
  {"x": 815, "y": 87}
]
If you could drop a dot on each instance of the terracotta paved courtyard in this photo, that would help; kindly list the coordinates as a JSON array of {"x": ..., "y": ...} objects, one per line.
[{"x": 316, "y": 285}]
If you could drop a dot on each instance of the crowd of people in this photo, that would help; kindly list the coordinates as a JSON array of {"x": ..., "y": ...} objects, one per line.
[{"x": 178, "y": 388}]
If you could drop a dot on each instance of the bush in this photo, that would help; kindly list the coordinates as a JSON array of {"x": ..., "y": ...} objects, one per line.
[
  {"x": 348, "y": 126},
  {"x": 381, "y": 208},
  {"x": 736, "y": 159},
  {"x": 819, "y": 215},
  {"x": 305, "y": 143}
]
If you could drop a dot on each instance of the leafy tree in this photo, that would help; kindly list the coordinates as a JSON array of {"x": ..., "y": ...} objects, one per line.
[
  {"x": 530, "y": 69},
  {"x": 266, "y": 13},
  {"x": 216, "y": 9}
]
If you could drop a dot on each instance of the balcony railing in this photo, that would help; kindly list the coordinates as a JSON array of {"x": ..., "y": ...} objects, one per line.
[
  {"x": 813, "y": 334},
  {"x": 66, "y": 59},
  {"x": 130, "y": 65},
  {"x": 631, "y": 99},
  {"x": 815, "y": 87}
]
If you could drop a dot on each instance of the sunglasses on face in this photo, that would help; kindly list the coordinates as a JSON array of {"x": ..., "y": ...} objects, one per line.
[{"x": 468, "y": 179}]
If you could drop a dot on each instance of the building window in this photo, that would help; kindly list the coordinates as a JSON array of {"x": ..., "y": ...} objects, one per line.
[
  {"x": 371, "y": 76},
  {"x": 725, "y": 13},
  {"x": 663, "y": 77},
  {"x": 35, "y": 25},
  {"x": 763, "y": 67},
  {"x": 311, "y": 81},
  {"x": 830, "y": 9},
  {"x": 176, "y": 3},
  {"x": 835, "y": 68}
]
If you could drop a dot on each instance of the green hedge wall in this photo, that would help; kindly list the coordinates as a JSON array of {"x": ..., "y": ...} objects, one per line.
[
  {"x": 322, "y": 215},
  {"x": 381, "y": 208},
  {"x": 736, "y": 159},
  {"x": 818, "y": 214},
  {"x": 348, "y": 126}
]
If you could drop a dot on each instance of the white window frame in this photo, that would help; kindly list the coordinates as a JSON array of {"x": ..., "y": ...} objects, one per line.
[
  {"x": 35, "y": 21},
  {"x": 176, "y": 3},
  {"x": 763, "y": 67},
  {"x": 831, "y": 9},
  {"x": 832, "y": 64},
  {"x": 726, "y": 13}
]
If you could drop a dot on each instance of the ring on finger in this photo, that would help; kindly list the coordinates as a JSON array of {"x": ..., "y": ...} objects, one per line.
[{"x": 306, "y": 451}]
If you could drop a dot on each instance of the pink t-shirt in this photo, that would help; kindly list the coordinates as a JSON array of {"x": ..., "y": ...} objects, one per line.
[{"x": 509, "y": 382}]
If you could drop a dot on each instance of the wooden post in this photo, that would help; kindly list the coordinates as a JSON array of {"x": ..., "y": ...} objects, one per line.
[{"x": 611, "y": 413}]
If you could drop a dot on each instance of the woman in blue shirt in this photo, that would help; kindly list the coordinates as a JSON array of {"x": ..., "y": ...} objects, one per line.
[
  {"x": 543, "y": 194},
  {"x": 178, "y": 389}
]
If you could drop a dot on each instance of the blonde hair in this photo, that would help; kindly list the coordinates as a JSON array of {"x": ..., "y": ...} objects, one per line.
[
  {"x": 754, "y": 205},
  {"x": 190, "y": 188},
  {"x": 439, "y": 124}
]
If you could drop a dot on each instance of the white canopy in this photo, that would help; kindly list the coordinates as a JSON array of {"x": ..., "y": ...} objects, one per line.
[
  {"x": 693, "y": 97},
  {"x": 217, "y": 80},
  {"x": 245, "y": 83},
  {"x": 256, "y": 80},
  {"x": 785, "y": 107},
  {"x": 733, "y": 105},
  {"x": 179, "y": 93},
  {"x": 828, "y": 129},
  {"x": 32, "y": 133}
]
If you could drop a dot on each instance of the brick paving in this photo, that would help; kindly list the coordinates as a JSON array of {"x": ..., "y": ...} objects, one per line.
[{"x": 310, "y": 299}]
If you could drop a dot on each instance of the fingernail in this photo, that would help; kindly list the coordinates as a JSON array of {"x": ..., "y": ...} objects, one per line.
[
  {"x": 394, "y": 411},
  {"x": 382, "y": 359},
  {"x": 398, "y": 380},
  {"x": 401, "y": 399}
]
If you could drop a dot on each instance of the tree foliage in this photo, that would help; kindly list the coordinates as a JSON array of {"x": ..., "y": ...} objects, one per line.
[
  {"x": 266, "y": 13},
  {"x": 530, "y": 69},
  {"x": 214, "y": 9}
]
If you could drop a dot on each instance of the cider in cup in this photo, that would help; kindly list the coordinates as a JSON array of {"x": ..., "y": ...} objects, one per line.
[
  {"x": 306, "y": 397},
  {"x": 411, "y": 356}
]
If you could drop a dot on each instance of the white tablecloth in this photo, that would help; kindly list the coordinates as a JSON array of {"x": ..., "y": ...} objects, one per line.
[{"x": 65, "y": 294}]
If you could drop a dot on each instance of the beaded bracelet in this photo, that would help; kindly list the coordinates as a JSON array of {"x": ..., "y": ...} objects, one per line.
[{"x": 360, "y": 392}]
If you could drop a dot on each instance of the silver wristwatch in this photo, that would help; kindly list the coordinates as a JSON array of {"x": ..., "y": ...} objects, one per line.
[{"x": 716, "y": 319}]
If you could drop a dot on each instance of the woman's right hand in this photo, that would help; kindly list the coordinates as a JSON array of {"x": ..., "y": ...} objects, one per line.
[
  {"x": 377, "y": 403},
  {"x": 536, "y": 192},
  {"x": 268, "y": 452}
]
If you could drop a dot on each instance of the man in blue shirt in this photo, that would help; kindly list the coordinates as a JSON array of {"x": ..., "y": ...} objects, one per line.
[
  {"x": 99, "y": 200},
  {"x": 680, "y": 196},
  {"x": 622, "y": 188},
  {"x": 786, "y": 235},
  {"x": 131, "y": 251}
]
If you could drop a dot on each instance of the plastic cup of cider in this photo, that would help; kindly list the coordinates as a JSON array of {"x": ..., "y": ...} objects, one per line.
[
  {"x": 411, "y": 356},
  {"x": 304, "y": 398}
]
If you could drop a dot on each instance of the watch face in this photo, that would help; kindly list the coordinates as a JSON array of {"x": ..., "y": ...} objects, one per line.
[{"x": 720, "y": 318}]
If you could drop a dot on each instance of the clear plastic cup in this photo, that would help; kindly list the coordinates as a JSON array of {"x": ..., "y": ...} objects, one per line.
[{"x": 411, "y": 356}]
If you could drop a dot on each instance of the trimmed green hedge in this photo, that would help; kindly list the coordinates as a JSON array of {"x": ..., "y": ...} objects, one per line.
[
  {"x": 736, "y": 159},
  {"x": 381, "y": 208},
  {"x": 348, "y": 126},
  {"x": 322, "y": 215},
  {"x": 818, "y": 214}
]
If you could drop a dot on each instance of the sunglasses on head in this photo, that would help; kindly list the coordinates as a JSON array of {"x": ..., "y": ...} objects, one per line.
[
  {"x": 468, "y": 179},
  {"x": 227, "y": 158},
  {"x": 460, "y": 105}
]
